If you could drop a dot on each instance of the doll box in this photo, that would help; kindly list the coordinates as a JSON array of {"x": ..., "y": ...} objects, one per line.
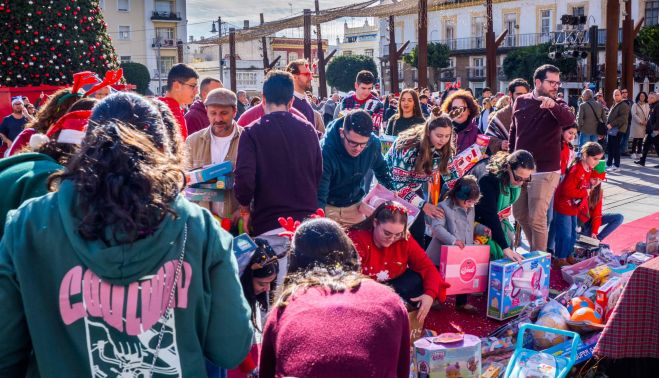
[
  {"x": 465, "y": 269},
  {"x": 460, "y": 359},
  {"x": 380, "y": 194},
  {"x": 513, "y": 286}
]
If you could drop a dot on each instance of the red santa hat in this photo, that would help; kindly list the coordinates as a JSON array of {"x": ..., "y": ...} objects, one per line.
[{"x": 71, "y": 127}]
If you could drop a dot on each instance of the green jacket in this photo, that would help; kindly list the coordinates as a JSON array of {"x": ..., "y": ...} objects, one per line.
[
  {"x": 22, "y": 177},
  {"x": 90, "y": 309}
]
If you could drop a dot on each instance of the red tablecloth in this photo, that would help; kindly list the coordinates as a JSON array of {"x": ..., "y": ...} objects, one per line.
[{"x": 633, "y": 329}]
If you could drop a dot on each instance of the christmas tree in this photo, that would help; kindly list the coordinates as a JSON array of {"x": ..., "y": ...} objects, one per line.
[{"x": 47, "y": 41}]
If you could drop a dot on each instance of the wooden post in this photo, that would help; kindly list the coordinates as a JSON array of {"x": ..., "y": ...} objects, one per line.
[
  {"x": 393, "y": 56},
  {"x": 322, "y": 84},
  {"x": 611, "y": 54},
  {"x": 491, "y": 51},
  {"x": 422, "y": 47},
  {"x": 307, "y": 35},
  {"x": 264, "y": 47},
  {"x": 627, "y": 79},
  {"x": 232, "y": 58}
]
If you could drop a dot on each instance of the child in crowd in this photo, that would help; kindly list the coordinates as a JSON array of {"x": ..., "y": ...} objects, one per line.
[
  {"x": 590, "y": 212},
  {"x": 571, "y": 192},
  {"x": 567, "y": 155},
  {"x": 458, "y": 225}
]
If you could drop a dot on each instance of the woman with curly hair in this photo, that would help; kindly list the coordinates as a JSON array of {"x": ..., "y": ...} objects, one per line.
[
  {"x": 419, "y": 156},
  {"x": 464, "y": 112},
  {"x": 408, "y": 115},
  {"x": 117, "y": 265}
]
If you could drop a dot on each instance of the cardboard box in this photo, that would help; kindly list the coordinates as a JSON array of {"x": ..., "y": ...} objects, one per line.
[
  {"x": 584, "y": 350},
  {"x": 222, "y": 182},
  {"x": 208, "y": 172},
  {"x": 513, "y": 286},
  {"x": 380, "y": 194},
  {"x": 652, "y": 242},
  {"x": 465, "y": 269},
  {"x": 461, "y": 359},
  {"x": 607, "y": 297}
]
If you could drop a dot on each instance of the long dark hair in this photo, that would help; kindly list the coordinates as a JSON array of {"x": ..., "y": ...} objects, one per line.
[
  {"x": 263, "y": 264},
  {"x": 388, "y": 211},
  {"x": 503, "y": 161},
  {"x": 589, "y": 149},
  {"x": 53, "y": 109},
  {"x": 465, "y": 188},
  {"x": 125, "y": 184},
  {"x": 419, "y": 137},
  {"x": 416, "y": 112}
]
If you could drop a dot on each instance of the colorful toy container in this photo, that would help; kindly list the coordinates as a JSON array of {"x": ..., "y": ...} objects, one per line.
[
  {"x": 513, "y": 285},
  {"x": 446, "y": 360},
  {"x": 465, "y": 269}
]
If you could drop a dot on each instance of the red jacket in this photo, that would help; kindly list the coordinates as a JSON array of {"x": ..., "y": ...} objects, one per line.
[
  {"x": 391, "y": 262},
  {"x": 595, "y": 216},
  {"x": 572, "y": 191},
  {"x": 175, "y": 107},
  {"x": 567, "y": 154}
]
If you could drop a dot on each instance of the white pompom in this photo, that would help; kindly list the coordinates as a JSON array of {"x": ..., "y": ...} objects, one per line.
[{"x": 38, "y": 140}]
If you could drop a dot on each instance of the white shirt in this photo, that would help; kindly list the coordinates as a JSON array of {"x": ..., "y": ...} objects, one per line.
[{"x": 220, "y": 147}]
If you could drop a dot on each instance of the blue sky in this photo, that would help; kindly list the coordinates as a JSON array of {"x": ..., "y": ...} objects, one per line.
[{"x": 200, "y": 14}]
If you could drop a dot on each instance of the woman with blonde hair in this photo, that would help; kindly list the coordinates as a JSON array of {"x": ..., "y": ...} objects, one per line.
[
  {"x": 409, "y": 113},
  {"x": 486, "y": 110}
]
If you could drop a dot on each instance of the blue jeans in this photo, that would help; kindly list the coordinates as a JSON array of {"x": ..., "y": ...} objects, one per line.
[
  {"x": 583, "y": 138},
  {"x": 610, "y": 223},
  {"x": 565, "y": 228}
]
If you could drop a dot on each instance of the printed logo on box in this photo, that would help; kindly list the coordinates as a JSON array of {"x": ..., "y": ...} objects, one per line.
[{"x": 467, "y": 270}]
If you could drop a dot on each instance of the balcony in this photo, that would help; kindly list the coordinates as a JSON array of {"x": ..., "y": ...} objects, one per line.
[
  {"x": 165, "y": 43},
  {"x": 165, "y": 16},
  {"x": 447, "y": 74},
  {"x": 476, "y": 73},
  {"x": 501, "y": 75}
]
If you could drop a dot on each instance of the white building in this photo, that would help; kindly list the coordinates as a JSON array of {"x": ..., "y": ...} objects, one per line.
[{"x": 360, "y": 40}]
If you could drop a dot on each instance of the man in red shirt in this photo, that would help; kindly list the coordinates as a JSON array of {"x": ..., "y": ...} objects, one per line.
[{"x": 181, "y": 91}]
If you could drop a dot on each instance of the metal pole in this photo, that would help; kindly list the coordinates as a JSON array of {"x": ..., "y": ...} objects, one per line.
[
  {"x": 307, "y": 35},
  {"x": 393, "y": 56},
  {"x": 422, "y": 47},
  {"x": 264, "y": 47},
  {"x": 491, "y": 50},
  {"x": 628, "y": 50},
  {"x": 219, "y": 37},
  {"x": 611, "y": 55},
  {"x": 159, "y": 65},
  {"x": 322, "y": 85},
  {"x": 232, "y": 57},
  {"x": 594, "y": 52}
]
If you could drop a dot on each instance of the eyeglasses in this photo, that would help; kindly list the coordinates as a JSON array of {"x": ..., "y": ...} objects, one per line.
[
  {"x": 354, "y": 144},
  {"x": 519, "y": 179},
  {"x": 389, "y": 234},
  {"x": 193, "y": 86},
  {"x": 463, "y": 108},
  {"x": 553, "y": 83}
]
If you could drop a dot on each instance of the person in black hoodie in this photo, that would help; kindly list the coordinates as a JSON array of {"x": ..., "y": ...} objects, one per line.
[{"x": 349, "y": 149}]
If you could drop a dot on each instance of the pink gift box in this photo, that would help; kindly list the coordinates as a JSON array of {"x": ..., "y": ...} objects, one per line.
[{"x": 465, "y": 269}]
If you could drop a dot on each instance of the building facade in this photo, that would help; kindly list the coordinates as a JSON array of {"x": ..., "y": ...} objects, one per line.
[
  {"x": 462, "y": 24},
  {"x": 150, "y": 32},
  {"x": 360, "y": 40}
]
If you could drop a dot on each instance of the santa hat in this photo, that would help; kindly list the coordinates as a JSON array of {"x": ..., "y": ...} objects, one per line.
[
  {"x": 71, "y": 127},
  {"x": 599, "y": 171}
]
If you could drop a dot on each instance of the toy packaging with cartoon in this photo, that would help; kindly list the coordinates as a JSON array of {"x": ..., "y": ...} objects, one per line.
[
  {"x": 465, "y": 269},
  {"x": 448, "y": 360},
  {"x": 513, "y": 286}
]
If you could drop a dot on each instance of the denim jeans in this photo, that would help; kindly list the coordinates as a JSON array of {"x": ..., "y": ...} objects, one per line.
[
  {"x": 565, "y": 228},
  {"x": 613, "y": 151},
  {"x": 583, "y": 138},
  {"x": 610, "y": 223}
]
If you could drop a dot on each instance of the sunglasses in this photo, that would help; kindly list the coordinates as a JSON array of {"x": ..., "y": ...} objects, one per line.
[
  {"x": 519, "y": 179},
  {"x": 463, "y": 108}
]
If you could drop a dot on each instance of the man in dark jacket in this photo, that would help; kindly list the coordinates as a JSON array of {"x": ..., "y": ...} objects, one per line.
[
  {"x": 652, "y": 129},
  {"x": 196, "y": 118},
  {"x": 349, "y": 150}
]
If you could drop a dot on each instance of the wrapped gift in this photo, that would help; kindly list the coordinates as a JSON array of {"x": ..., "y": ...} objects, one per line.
[
  {"x": 208, "y": 172},
  {"x": 435, "y": 359},
  {"x": 465, "y": 269},
  {"x": 467, "y": 158},
  {"x": 380, "y": 194},
  {"x": 513, "y": 286}
]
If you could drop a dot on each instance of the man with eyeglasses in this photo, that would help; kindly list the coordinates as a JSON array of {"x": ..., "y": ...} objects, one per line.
[
  {"x": 499, "y": 125},
  {"x": 624, "y": 138},
  {"x": 537, "y": 123},
  {"x": 302, "y": 78},
  {"x": 181, "y": 91},
  {"x": 350, "y": 150}
]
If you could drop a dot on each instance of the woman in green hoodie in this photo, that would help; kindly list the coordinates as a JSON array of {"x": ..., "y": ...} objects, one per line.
[{"x": 117, "y": 270}]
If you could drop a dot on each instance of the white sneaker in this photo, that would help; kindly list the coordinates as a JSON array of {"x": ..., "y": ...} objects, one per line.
[{"x": 634, "y": 156}]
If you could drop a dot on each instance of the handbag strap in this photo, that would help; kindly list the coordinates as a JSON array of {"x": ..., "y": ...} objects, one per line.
[
  {"x": 599, "y": 119},
  {"x": 170, "y": 303}
]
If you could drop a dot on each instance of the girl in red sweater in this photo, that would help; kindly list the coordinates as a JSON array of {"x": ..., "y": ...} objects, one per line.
[
  {"x": 571, "y": 192},
  {"x": 590, "y": 212},
  {"x": 389, "y": 255},
  {"x": 567, "y": 155}
]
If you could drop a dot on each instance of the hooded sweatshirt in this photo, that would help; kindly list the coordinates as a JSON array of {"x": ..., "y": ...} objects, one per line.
[
  {"x": 342, "y": 183},
  {"x": 90, "y": 309},
  {"x": 196, "y": 118},
  {"x": 22, "y": 177}
]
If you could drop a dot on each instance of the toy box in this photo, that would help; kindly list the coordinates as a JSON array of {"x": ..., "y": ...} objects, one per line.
[
  {"x": 466, "y": 159},
  {"x": 380, "y": 194},
  {"x": 607, "y": 297},
  {"x": 585, "y": 348},
  {"x": 652, "y": 242},
  {"x": 208, "y": 172},
  {"x": 460, "y": 359},
  {"x": 222, "y": 182},
  {"x": 513, "y": 286},
  {"x": 465, "y": 269}
]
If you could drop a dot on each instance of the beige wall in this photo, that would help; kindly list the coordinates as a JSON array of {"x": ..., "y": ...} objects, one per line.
[{"x": 134, "y": 18}]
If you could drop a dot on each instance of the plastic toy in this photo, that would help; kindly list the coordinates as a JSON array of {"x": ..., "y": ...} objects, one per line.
[
  {"x": 531, "y": 363},
  {"x": 579, "y": 303},
  {"x": 586, "y": 315},
  {"x": 552, "y": 315},
  {"x": 454, "y": 359}
]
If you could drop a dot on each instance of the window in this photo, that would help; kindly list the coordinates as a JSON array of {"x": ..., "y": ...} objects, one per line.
[
  {"x": 369, "y": 52},
  {"x": 450, "y": 36},
  {"x": 165, "y": 33},
  {"x": 166, "y": 63},
  {"x": 578, "y": 11},
  {"x": 125, "y": 59},
  {"x": 545, "y": 21},
  {"x": 511, "y": 25},
  {"x": 651, "y": 13},
  {"x": 124, "y": 33},
  {"x": 246, "y": 79},
  {"x": 123, "y": 5},
  {"x": 478, "y": 31},
  {"x": 292, "y": 56},
  {"x": 347, "y": 52},
  {"x": 163, "y": 7}
]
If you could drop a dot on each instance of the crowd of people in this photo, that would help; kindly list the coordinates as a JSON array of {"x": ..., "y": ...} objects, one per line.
[{"x": 103, "y": 255}]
